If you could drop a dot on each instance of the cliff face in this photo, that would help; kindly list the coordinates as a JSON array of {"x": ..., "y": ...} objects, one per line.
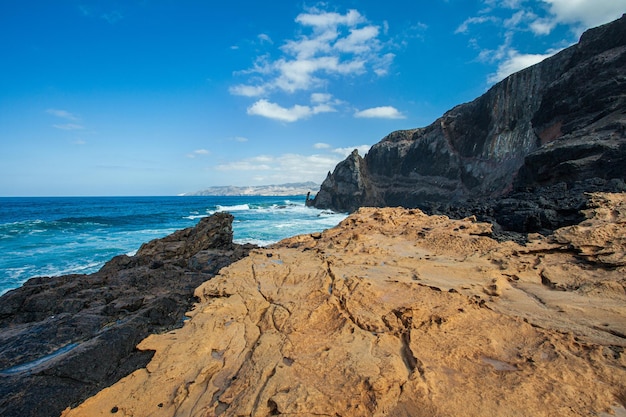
[{"x": 562, "y": 120}]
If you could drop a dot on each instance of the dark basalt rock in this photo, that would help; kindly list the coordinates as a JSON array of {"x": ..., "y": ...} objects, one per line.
[
  {"x": 562, "y": 121},
  {"x": 63, "y": 339}
]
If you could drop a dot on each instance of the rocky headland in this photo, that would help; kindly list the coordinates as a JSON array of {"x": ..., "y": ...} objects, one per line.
[
  {"x": 521, "y": 156},
  {"x": 63, "y": 339},
  {"x": 398, "y": 313}
]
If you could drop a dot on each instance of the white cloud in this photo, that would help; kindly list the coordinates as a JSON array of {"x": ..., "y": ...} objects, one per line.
[
  {"x": 247, "y": 90},
  {"x": 358, "y": 40},
  {"x": 542, "y": 26},
  {"x": 321, "y": 103},
  {"x": 321, "y": 145},
  {"x": 64, "y": 114},
  {"x": 198, "y": 152},
  {"x": 464, "y": 27},
  {"x": 585, "y": 12},
  {"x": 69, "y": 126},
  {"x": 512, "y": 17},
  {"x": 331, "y": 46},
  {"x": 320, "y": 19},
  {"x": 577, "y": 14},
  {"x": 274, "y": 111},
  {"x": 265, "y": 38},
  {"x": 363, "y": 149},
  {"x": 515, "y": 62},
  {"x": 381, "y": 68},
  {"x": 383, "y": 112},
  {"x": 240, "y": 139},
  {"x": 321, "y": 97}
]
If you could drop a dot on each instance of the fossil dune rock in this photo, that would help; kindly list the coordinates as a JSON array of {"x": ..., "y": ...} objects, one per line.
[{"x": 398, "y": 313}]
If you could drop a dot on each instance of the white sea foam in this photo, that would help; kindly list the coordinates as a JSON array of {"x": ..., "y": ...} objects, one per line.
[
  {"x": 74, "y": 268},
  {"x": 258, "y": 242},
  {"x": 196, "y": 216},
  {"x": 237, "y": 207}
]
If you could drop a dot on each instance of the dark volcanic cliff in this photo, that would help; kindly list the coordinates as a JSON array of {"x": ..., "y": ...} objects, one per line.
[{"x": 562, "y": 121}]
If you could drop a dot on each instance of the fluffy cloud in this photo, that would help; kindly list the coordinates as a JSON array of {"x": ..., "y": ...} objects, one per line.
[
  {"x": 247, "y": 90},
  {"x": 275, "y": 111},
  {"x": 383, "y": 112},
  {"x": 321, "y": 20},
  {"x": 320, "y": 103},
  {"x": 332, "y": 46},
  {"x": 585, "y": 13},
  {"x": 515, "y": 62}
]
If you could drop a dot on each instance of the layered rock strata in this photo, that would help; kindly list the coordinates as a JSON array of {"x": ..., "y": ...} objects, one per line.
[
  {"x": 562, "y": 121},
  {"x": 398, "y": 313},
  {"x": 63, "y": 339}
]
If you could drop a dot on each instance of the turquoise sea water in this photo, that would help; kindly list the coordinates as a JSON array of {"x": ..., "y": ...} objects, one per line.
[{"x": 48, "y": 236}]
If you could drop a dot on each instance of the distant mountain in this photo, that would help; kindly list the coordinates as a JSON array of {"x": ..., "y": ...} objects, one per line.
[{"x": 293, "y": 188}]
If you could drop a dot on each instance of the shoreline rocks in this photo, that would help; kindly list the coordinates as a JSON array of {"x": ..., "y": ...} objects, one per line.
[
  {"x": 395, "y": 312},
  {"x": 64, "y": 338}
]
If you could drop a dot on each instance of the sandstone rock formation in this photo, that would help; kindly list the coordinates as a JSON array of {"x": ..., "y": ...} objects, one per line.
[
  {"x": 560, "y": 122},
  {"x": 398, "y": 313},
  {"x": 63, "y": 339}
]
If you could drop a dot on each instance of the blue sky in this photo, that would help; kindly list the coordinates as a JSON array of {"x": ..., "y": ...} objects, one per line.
[{"x": 161, "y": 97}]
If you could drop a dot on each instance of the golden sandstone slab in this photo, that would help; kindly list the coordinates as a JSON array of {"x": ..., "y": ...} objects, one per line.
[{"x": 398, "y": 313}]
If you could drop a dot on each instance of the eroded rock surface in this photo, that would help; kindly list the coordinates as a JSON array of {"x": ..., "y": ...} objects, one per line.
[
  {"x": 398, "y": 313},
  {"x": 63, "y": 339}
]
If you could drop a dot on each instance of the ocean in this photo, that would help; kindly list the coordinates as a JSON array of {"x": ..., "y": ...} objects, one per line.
[{"x": 50, "y": 236}]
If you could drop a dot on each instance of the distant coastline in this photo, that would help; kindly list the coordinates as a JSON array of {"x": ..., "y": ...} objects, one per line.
[{"x": 294, "y": 188}]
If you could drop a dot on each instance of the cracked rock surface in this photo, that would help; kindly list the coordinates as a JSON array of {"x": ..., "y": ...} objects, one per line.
[{"x": 398, "y": 313}]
